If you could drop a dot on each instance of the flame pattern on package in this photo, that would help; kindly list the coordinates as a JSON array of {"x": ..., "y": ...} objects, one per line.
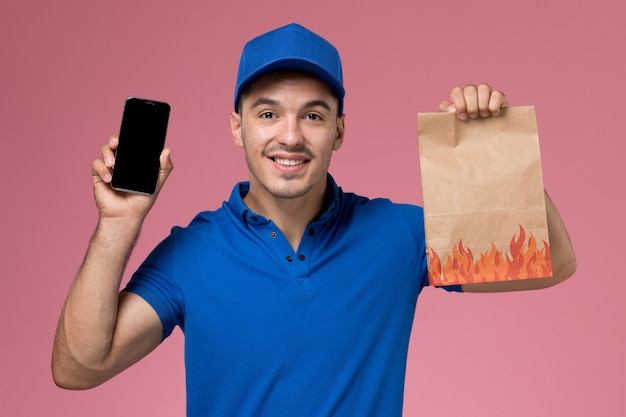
[{"x": 525, "y": 260}]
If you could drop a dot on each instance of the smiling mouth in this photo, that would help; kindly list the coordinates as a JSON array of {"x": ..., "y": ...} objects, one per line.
[{"x": 289, "y": 162}]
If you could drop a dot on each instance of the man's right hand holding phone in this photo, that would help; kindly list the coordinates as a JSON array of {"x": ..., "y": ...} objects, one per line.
[{"x": 119, "y": 205}]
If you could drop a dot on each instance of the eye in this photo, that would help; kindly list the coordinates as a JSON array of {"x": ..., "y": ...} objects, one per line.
[
  {"x": 267, "y": 115},
  {"x": 313, "y": 116}
]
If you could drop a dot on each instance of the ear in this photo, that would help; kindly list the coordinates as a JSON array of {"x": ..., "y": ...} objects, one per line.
[
  {"x": 341, "y": 127},
  {"x": 235, "y": 128}
]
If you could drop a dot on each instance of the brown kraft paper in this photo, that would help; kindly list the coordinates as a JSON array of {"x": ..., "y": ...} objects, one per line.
[{"x": 484, "y": 202}]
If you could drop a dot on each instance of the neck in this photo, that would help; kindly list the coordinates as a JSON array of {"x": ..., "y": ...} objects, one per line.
[{"x": 291, "y": 215}]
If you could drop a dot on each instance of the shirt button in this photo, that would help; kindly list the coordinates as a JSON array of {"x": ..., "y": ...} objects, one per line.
[
  {"x": 301, "y": 257},
  {"x": 311, "y": 232},
  {"x": 289, "y": 259},
  {"x": 273, "y": 235}
]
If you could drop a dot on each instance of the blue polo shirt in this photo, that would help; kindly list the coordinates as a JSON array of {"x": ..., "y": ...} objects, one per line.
[{"x": 323, "y": 331}]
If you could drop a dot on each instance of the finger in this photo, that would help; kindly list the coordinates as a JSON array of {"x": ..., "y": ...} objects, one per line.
[
  {"x": 113, "y": 141},
  {"x": 497, "y": 101},
  {"x": 108, "y": 154},
  {"x": 484, "y": 98},
  {"x": 100, "y": 172},
  {"x": 458, "y": 102},
  {"x": 470, "y": 94}
]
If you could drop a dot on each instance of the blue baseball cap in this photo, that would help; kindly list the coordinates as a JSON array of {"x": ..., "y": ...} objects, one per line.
[{"x": 291, "y": 47}]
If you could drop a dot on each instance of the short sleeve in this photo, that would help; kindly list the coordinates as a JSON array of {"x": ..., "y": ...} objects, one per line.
[
  {"x": 154, "y": 281},
  {"x": 415, "y": 219}
]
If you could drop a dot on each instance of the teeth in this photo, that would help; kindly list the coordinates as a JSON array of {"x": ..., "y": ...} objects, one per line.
[{"x": 288, "y": 162}]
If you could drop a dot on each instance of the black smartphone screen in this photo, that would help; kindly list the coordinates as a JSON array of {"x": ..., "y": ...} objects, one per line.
[{"x": 141, "y": 140}]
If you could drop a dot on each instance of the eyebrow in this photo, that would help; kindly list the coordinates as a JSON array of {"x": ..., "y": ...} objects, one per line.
[
  {"x": 262, "y": 101},
  {"x": 318, "y": 103}
]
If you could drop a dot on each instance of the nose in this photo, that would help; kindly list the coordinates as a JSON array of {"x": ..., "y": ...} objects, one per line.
[{"x": 291, "y": 134}]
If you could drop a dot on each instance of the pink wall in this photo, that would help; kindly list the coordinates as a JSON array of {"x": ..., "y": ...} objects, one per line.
[{"x": 67, "y": 67}]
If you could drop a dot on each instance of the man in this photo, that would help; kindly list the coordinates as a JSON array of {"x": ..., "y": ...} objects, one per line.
[{"x": 295, "y": 298}]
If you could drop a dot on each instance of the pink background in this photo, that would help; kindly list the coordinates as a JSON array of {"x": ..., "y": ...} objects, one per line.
[{"x": 68, "y": 65}]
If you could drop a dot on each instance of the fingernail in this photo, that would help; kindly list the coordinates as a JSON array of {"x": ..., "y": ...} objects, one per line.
[
  {"x": 109, "y": 161},
  {"x": 107, "y": 178},
  {"x": 462, "y": 116},
  {"x": 451, "y": 109}
]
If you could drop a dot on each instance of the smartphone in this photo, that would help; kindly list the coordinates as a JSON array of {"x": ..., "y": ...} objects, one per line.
[{"x": 141, "y": 140}]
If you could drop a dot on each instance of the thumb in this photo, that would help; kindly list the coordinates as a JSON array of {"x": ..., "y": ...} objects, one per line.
[
  {"x": 447, "y": 107},
  {"x": 166, "y": 167}
]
